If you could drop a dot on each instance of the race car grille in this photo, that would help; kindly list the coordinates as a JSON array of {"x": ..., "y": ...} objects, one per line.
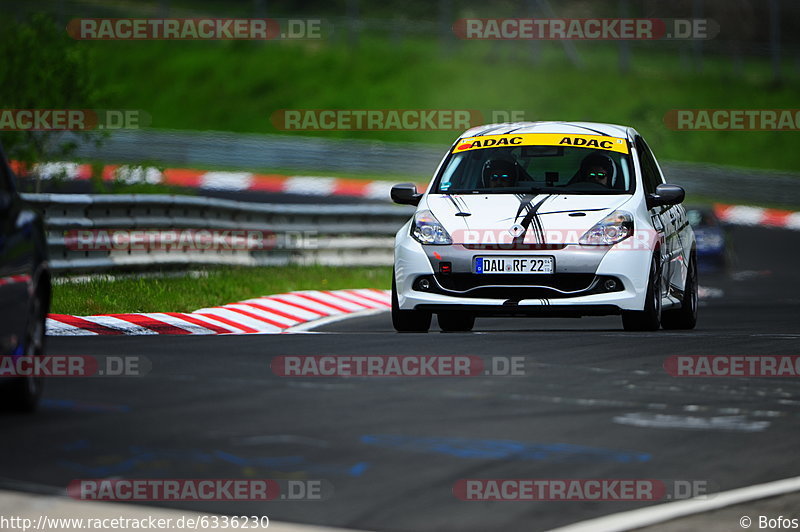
[{"x": 516, "y": 287}]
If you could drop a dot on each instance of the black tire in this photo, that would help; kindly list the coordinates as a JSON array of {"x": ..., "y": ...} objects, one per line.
[
  {"x": 408, "y": 320},
  {"x": 648, "y": 319},
  {"x": 455, "y": 321},
  {"x": 22, "y": 394},
  {"x": 684, "y": 317}
]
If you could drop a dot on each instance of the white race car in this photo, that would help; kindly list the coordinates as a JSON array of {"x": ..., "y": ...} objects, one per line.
[{"x": 545, "y": 219}]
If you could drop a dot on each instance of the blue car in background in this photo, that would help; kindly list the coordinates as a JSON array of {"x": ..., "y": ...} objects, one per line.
[{"x": 712, "y": 240}]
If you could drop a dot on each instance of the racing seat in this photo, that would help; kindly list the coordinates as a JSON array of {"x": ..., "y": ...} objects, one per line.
[
  {"x": 599, "y": 159},
  {"x": 500, "y": 173}
]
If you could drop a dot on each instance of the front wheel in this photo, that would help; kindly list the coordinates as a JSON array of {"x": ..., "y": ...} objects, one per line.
[
  {"x": 455, "y": 321},
  {"x": 408, "y": 320},
  {"x": 685, "y": 317},
  {"x": 648, "y": 319},
  {"x": 22, "y": 394}
]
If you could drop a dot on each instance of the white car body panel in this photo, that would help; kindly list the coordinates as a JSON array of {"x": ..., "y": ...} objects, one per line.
[{"x": 495, "y": 213}]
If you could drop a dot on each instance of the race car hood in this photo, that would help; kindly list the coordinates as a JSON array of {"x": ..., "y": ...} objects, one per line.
[{"x": 542, "y": 218}]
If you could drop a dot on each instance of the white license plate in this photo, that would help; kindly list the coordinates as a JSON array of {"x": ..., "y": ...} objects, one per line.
[{"x": 514, "y": 264}]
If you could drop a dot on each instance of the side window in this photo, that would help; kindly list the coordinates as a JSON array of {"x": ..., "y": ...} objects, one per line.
[
  {"x": 5, "y": 176},
  {"x": 654, "y": 165},
  {"x": 650, "y": 174}
]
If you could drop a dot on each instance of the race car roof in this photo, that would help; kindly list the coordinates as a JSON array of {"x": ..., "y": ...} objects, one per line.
[{"x": 569, "y": 128}]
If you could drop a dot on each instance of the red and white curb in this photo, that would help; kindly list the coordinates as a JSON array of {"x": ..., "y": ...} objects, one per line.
[
  {"x": 279, "y": 313},
  {"x": 14, "y": 279},
  {"x": 758, "y": 216},
  {"x": 224, "y": 181}
]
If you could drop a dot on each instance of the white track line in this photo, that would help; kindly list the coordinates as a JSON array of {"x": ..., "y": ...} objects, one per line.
[{"x": 673, "y": 510}]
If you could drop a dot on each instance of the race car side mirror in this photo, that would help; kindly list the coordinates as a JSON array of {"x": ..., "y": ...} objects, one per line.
[
  {"x": 406, "y": 194},
  {"x": 666, "y": 195}
]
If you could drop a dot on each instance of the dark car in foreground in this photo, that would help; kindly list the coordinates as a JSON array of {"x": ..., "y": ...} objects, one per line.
[{"x": 24, "y": 294}]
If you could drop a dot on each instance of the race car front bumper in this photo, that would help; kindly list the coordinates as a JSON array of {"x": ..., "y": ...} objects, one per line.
[{"x": 588, "y": 280}]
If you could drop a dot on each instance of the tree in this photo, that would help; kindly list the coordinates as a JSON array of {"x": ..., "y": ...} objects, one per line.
[{"x": 43, "y": 68}]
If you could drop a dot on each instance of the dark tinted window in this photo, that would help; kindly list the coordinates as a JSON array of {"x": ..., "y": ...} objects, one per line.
[
  {"x": 511, "y": 170},
  {"x": 5, "y": 175},
  {"x": 650, "y": 174}
]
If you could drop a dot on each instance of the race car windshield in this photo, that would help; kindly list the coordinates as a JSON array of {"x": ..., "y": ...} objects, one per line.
[{"x": 515, "y": 169}]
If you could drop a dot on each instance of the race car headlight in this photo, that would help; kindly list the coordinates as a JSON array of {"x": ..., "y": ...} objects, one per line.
[
  {"x": 428, "y": 230},
  {"x": 614, "y": 228}
]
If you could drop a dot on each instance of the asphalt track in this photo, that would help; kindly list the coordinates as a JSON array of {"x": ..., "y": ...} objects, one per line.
[{"x": 393, "y": 448}]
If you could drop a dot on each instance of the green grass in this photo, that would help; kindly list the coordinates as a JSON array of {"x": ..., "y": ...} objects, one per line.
[
  {"x": 236, "y": 86},
  {"x": 220, "y": 286}
]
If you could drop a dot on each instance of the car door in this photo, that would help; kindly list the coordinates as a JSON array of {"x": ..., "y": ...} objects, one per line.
[
  {"x": 673, "y": 218},
  {"x": 17, "y": 262},
  {"x": 651, "y": 178}
]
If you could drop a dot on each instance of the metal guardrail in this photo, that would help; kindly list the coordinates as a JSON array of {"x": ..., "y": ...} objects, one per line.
[
  {"x": 735, "y": 184},
  {"x": 318, "y": 155},
  {"x": 240, "y": 150},
  {"x": 303, "y": 234}
]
